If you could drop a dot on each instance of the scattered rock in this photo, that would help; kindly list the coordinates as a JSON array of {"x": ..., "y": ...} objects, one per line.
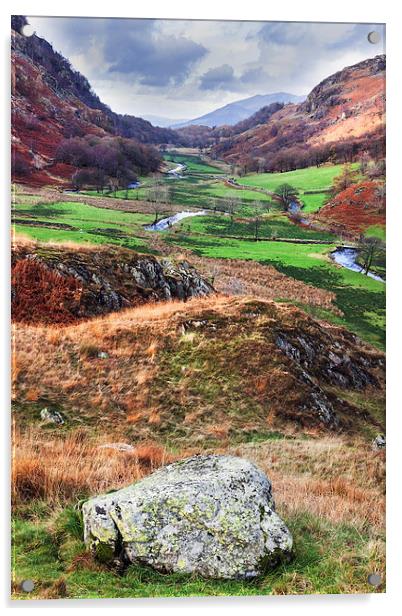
[
  {"x": 210, "y": 515},
  {"x": 53, "y": 416},
  {"x": 379, "y": 442},
  {"x": 117, "y": 446}
]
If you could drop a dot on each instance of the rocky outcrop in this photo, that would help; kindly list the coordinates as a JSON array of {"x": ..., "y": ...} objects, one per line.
[
  {"x": 101, "y": 281},
  {"x": 208, "y": 515}
]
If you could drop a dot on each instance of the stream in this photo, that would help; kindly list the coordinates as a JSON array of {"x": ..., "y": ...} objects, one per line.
[
  {"x": 347, "y": 258},
  {"x": 344, "y": 256},
  {"x": 166, "y": 223},
  {"x": 177, "y": 171}
]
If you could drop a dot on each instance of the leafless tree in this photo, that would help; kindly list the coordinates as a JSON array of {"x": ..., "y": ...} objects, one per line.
[
  {"x": 159, "y": 195},
  {"x": 258, "y": 209},
  {"x": 231, "y": 205},
  {"x": 370, "y": 249}
]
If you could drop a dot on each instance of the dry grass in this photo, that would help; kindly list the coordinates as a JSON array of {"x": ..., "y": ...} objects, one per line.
[
  {"x": 65, "y": 468},
  {"x": 169, "y": 367},
  {"x": 330, "y": 477}
]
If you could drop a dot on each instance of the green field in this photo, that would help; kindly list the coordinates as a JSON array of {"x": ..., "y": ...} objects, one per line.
[
  {"x": 192, "y": 191},
  {"x": 311, "y": 178},
  {"x": 360, "y": 298},
  {"x": 271, "y": 226},
  {"x": 194, "y": 164},
  {"x": 86, "y": 224}
]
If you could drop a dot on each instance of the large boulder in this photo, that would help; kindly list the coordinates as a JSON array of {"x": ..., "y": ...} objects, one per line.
[{"x": 209, "y": 515}]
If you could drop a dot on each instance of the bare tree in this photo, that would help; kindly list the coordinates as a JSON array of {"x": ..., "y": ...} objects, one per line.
[
  {"x": 231, "y": 205},
  {"x": 257, "y": 217},
  {"x": 370, "y": 249},
  {"x": 159, "y": 195}
]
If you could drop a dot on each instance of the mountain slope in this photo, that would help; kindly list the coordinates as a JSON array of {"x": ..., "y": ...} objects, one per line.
[
  {"x": 240, "y": 110},
  {"x": 51, "y": 102},
  {"x": 345, "y": 112}
]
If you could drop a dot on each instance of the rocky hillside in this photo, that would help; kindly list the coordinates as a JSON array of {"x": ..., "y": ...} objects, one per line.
[
  {"x": 341, "y": 115},
  {"x": 51, "y": 102},
  {"x": 62, "y": 285},
  {"x": 213, "y": 370}
]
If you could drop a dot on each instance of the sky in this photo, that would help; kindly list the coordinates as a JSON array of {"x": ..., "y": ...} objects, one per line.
[{"x": 183, "y": 69}]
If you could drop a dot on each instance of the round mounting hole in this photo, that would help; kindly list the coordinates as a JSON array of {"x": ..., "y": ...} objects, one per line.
[
  {"x": 374, "y": 579},
  {"x": 27, "y": 30},
  {"x": 27, "y": 585},
  {"x": 373, "y": 37}
]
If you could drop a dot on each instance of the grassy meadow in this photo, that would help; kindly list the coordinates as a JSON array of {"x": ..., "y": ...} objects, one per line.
[{"x": 318, "y": 180}]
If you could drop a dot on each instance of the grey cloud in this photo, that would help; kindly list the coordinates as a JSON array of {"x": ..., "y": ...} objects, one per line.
[
  {"x": 133, "y": 47},
  {"x": 156, "y": 59},
  {"x": 218, "y": 78},
  {"x": 253, "y": 75}
]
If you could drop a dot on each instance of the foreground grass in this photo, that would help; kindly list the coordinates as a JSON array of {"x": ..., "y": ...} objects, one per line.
[
  {"x": 329, "y": 490},
  {"x": 329, "y": 558}
]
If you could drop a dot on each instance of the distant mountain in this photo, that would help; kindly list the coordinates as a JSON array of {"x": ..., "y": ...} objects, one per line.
[
  {"x": 240, "y": 110},
  {"x": 163, "y": 121}
]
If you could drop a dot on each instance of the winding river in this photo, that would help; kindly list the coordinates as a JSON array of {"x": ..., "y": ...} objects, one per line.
[
  {"x": 347, "y": 258},
  {"x": 166, "y": 223}
]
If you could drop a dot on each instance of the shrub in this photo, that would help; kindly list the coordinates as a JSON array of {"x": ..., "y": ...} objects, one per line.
[{"x": 42, "y": 295}]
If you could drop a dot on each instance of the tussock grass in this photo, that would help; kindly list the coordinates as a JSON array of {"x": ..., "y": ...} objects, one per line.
[{"x": 67, "y": 468}]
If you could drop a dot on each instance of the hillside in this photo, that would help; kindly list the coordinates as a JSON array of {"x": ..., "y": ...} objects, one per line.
[
  {"x": 237, "y": 111},
  {"x": 341, "y": 116},
  {"x": 61, "y": 105},
  {"x": 357, "y": 208},
  {"x": 211, "y": 368}
]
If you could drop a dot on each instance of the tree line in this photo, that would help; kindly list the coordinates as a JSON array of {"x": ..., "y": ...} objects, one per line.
[{"x": 107, "y": 162}]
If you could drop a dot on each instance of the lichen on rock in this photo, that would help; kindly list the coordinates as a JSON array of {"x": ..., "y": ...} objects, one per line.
[{"x": 210, "y": 515}]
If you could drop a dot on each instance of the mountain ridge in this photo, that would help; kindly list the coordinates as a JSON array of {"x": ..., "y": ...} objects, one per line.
[
  {"x": 342, "y": 116},
  {"x": 239, "y": 110}
]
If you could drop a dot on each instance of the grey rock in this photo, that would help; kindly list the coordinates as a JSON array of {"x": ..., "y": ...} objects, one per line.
[
  {"x": 52, "y": 415},
  {"x": 210, "y": 515},
  {"x": 117, "y": 446},
  {"x": 379, "y": 442}
]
